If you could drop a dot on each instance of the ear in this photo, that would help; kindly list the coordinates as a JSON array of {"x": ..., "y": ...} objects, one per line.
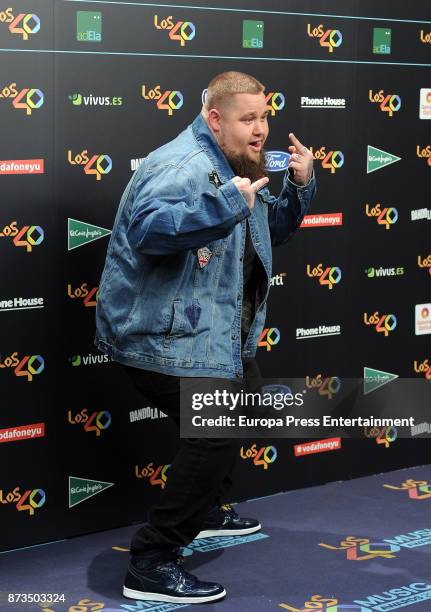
[{"x": 214, "y": 120}]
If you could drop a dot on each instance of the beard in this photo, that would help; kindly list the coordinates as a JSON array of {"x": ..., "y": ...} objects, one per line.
[{"x": 245, "y": 167}]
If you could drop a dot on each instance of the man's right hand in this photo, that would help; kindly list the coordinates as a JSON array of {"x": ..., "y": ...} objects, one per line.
[{"x": 249, "y": 189}]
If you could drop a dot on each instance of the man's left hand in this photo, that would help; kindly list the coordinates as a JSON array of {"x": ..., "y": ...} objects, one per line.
[{"x": 301, "y": 161}]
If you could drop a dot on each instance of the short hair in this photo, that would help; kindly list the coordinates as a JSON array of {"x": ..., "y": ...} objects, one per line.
[{"x": 227, "y": 84}]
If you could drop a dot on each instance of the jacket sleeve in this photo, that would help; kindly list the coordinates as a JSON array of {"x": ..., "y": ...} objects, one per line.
[
  {"x": 169, "y": 214},
  {"x": 286, "y": 212}
]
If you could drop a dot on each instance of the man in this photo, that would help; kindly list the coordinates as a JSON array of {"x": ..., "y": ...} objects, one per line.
[{"x": 183, "y": 294}]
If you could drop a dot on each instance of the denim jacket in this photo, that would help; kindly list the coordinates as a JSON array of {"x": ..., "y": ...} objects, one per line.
[{"x": 170, "y": 296}]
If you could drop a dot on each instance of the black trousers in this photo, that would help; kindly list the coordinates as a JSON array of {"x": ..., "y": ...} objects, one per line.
[{"x": 200, "y": 475}]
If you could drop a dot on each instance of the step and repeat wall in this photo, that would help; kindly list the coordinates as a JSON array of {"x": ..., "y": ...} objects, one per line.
[{"x": 87, "y": 90}]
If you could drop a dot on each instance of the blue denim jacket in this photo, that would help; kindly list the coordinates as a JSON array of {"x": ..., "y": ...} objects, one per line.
[{"x": 170, "y": 297}]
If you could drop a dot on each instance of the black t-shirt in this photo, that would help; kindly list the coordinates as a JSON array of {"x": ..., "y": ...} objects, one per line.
[{"x": 248, "y": 305}]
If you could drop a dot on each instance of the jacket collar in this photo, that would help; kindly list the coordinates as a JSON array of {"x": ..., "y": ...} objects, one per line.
[{"x": 206, "y": 140}]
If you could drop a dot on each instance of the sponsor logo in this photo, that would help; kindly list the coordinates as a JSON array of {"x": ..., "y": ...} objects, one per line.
[
  {"x": 89, "y": 296},
  {"x": 275, "y": 101},
  {"x": 382, "y": 41},
  {"x": 389, "y": 103},
  {"x": 22, "y": 432},
  {"x": 374, "y": 379},
  {"x": 425, "y": 37},
  {"x": 28, "y": 236},
  {"x": 98, "y": 164},
  {"x": 420, "y": 214},
  {"x": 21, "y": 166},
  {"x": 421, "y": 428},
  {"x": 156, "y": 476},
  {"x": 380, "y": 272},
  {"x": 278, "y": 279},
  {"x": 252, "y": 34},
  {"x": 90, "y": 359},
  {"x": 27, "y": 99},
  {"x": 80, "y": 233},
  {"x": 276, "y": 161},
  {"x": 167, "y": 100},
  {"x": 382, "y": 323},
  {"x": 326, "y": 386},
  {"x": 331, "y": 160},
  {"x": 331, "y": 39},
  {"x": 30, "y": 500},
  {"x": 81, "y": 489},
  {"x": 317, "y": 332},
  {"x": 319, "y": 446},
  {"x": 19, "y": 303},
  {"x": 378, "y": 159},
  {"x": 263, "y": 456},
  {"x": 362, "y": 549},
  {"x": 386, "y": 216},
  {"x": 319, "y": 603},
  {"x": 424, "y": 153},
  {"x": 269, "y": 337},
  {"x": 425, "y": 262},
  {"x": 328, "y": 277},
  {"x": 95, "y": 422},
  {"x": 182, "y": 31},
  {"x": 382, "y": 435},
  {"x": 323, "y": 220},
  {"x": 422, "y": 319},
  {"x": 135, "y": 163},
  {"x": 423, "y": 368},
  {"x": 28, "y": 366},
  {"x": 24, "y": 24},
  {"x": 416, "y": 489},
  {"x": 146, "y": 413},
  {"x": 325, "y": 102},
  {"x": 88, "y": 26},
  {"x": 425, "y": 104},
  {"x": 78, "y": 99}
]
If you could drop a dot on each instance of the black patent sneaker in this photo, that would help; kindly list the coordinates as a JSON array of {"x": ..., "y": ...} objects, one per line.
[
  {"x": 224, "y": 521},
  {"x": 168, "y": 581}
]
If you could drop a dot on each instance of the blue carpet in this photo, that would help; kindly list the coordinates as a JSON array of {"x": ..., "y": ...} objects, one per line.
[{"x": 357, "y": 546}]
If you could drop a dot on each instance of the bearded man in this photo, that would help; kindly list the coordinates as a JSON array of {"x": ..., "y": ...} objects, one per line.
[{"x": 183, "y": 294}]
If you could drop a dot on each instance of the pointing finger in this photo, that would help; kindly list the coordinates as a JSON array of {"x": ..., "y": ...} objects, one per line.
[{"x": 296, "y": 142}]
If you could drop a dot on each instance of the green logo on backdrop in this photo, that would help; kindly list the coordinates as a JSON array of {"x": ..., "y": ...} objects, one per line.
[
  {"x": 79, "y": 233},
  {"x": 377, "y": 159},
  {"x": 373, "y": 379},
  {"x": 88, "y": 26},
  {"x": 81, "y": 489},
  {"x": 382, "y": 41},
  {"x": 252, "y": 34}
]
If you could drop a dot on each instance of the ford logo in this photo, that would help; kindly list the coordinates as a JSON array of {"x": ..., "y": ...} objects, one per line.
[{"x": 276, "y": 161}]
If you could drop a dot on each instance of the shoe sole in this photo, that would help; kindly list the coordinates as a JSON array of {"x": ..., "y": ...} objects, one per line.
[
  {"x": 211, "y": 533},
  {"x": 142, "y": 595}
]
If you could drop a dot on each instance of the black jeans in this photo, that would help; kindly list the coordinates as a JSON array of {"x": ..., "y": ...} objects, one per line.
[{"x": 200, "y": 475}]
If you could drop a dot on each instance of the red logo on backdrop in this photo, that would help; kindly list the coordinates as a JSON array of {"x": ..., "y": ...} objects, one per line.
[
  {"x": 322, "y": 220},
  {"x": 22, "y": 432},
  {"x": 21, "y": 166},
  {"x": 319, "y": 446}
]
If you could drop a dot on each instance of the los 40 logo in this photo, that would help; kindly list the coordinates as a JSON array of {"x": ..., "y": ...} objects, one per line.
[
  {"x": 28, "y": 366},
  {"x": 157, "y": 476},
  {"x": 28, "y": 236},
  {"x": 98, "y": 164},
  {"x": 362, "y": 549},
  {"x": 389, "y": 103},
  {"x": 328, "y": 386},
  {"x": 269, "y": 337},
  {"x": 30, "y": 500},
  {"x": 424, "y": 152},
  {"x": 386, "y": 216},
  {"x": 182, "y": 31},
  {"x": 96, "y": 421},
  {"x": 168, "y": 100},
  {"x": 383, "y": 323},
  {"x": 89, "y": 296},
  {"x": 331, "y": 39},
  {"x": 25, "y": 24},
  {"x": 28, "y": 99},
  {"x": 423, "y": 367},
  {"x": 331, "y": 160},
  {"x": 329, "y": 276},
  {"x": 264, "y": 456}
]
